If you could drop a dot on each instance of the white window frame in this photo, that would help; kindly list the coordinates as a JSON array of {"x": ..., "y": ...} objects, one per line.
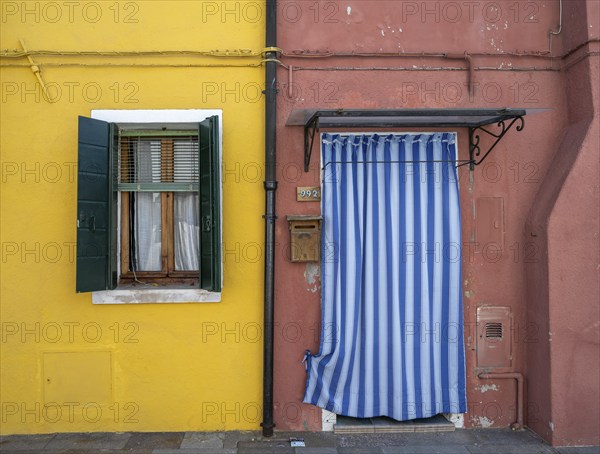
[{"x": 136, "y": 119}]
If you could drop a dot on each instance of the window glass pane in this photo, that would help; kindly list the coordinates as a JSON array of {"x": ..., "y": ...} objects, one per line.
[
  {"x": 186, "y": 227},
  {"x": 146, "y": 229},
  {"x": 146, "y": 161}
]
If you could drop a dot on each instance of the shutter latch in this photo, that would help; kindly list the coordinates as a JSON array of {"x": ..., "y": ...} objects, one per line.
[
  {"x": 207, "y": 223},
  {"x": 88, "y": 221}
]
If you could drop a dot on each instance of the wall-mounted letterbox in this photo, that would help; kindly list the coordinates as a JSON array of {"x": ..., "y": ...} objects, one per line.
[{"x": 305, "y": 238}]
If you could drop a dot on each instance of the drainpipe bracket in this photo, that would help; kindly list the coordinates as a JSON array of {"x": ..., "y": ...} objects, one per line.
[{"x": 274, "y": 91}]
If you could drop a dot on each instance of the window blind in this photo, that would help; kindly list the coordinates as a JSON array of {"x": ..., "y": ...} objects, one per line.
[{"x": 147, "y": 163}]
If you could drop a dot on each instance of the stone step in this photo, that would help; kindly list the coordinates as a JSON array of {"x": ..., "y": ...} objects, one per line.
[{"x": 348, "y": 425}]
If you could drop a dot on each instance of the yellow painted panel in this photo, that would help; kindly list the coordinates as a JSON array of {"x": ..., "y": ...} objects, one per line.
[{"x": 78, "y": 377}]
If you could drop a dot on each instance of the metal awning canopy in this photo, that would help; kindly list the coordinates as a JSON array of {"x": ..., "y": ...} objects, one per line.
[{"x": 475, "y": 119}]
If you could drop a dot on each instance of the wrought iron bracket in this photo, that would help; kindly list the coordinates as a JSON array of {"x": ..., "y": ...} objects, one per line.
[
  {"x": 474, "y": 138},
  {"x": 309, "y": 137}
]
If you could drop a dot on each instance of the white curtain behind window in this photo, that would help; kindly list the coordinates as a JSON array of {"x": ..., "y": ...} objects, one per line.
[
  {"x": 147, "y": 231},
  {"x": 147, "y": 208},
  {"x": 186, "y": 221},
  {"x": 186, "y": 228}
]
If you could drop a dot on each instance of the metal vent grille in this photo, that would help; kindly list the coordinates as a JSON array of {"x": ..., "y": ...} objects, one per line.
[
  {"x": 493, "y": 330},
  {"x": 168, "y": 163},
  {"x": 494, "y": 339}
]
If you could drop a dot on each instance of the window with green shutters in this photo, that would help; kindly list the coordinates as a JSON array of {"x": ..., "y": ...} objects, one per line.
[{"x": 148, "y": 209}]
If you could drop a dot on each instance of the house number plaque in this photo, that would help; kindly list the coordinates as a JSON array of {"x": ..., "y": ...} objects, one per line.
[{"x": 308, "y": 194}]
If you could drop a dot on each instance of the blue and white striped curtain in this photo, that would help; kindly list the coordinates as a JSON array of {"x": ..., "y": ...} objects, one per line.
[{"x": 392, "y": 324}]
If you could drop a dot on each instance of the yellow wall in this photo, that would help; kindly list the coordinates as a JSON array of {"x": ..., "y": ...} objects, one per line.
[{"x": 142, "y": 367}]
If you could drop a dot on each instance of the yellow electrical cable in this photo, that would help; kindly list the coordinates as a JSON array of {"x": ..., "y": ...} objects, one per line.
[
  {"x": 235, "y": 53},
  {"x": 36, "y": 70},
  {"x": 142, "y": 65}
]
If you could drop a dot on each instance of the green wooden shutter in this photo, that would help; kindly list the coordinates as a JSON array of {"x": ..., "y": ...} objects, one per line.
[
  {"x": 96, "y": 207},
  {"x": 210, "y": 205}
]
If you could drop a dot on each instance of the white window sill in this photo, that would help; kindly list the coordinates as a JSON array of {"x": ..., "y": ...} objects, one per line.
[{"x": 167, "y": 296}]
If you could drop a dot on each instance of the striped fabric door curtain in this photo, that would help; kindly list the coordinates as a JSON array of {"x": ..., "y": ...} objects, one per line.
[{"x": 392, "y": 322}]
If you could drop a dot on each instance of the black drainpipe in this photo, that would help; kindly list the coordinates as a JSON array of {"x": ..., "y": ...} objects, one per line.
[{"x": 270, "y": 216}]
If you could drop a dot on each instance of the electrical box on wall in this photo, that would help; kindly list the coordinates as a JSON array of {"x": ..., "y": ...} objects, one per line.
[
  {"x": 494, "y": 337},
  {"x": 305, "y": 238},
  {"x": 489, "y": 225}
]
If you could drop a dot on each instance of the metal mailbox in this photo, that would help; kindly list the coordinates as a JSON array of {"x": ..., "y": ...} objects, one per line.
[{"x": 305, "y": 238}]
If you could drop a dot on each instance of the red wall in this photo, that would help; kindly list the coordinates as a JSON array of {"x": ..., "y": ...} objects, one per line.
[
  {"x": 548, "y": 263},
  {"x": 564, "y": 222}
]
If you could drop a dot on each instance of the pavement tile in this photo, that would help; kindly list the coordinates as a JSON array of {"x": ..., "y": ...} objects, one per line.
[
  {"x": 425, "y": 449},
  {"x": 579, "y": 450},
  {"x": 24, "y": 442},
  {"x": 109, "y": 451},
  {"x": 395, "y": 450},
  {"x": 311, "y": 439},
  {"x": 200, "y": 440},
  {"x": 359, "y": 450},
  {"x": 511, "y": 449},
  {"x": 285, "y": 450},
  {"x": 458, "y": 437},
  {"x": 255, "y": 450},
  {"x": 321, "y": 450},
  {"x": 258, "y": 444},
  {"x": 282, "y": 447},
  {"x": 154, "y": 440},
  {"x": 505, "y": 436},
  {"x": 65, "y": 451},
  {"x": 376, "y": 439},
  {"x": 38, "y": 451},
  {"x": 281, "y": 442},
  {"x": 194, "y": 451},
  {"x": 27, "y": 451},
  {"x": 231, "y": 439},
  {"x": 434, "y": 438},
  {"x": 86, "y": 441}
]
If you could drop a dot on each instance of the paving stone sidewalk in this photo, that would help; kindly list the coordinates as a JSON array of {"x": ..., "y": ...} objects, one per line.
[{"x": 488, "y": 441}]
